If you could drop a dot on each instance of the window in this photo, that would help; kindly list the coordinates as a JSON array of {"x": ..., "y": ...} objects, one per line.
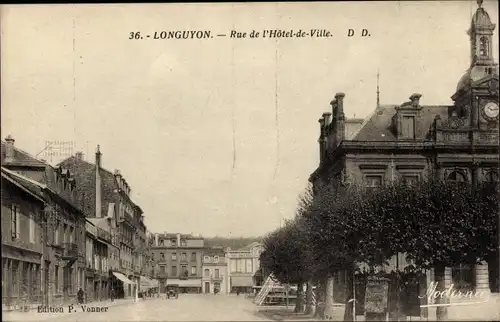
[
  {"x": 206, "y": 258},
  {"x": 410, "y": 179},
  {"x": 174, "y": 270},
  {"x": 174, "y": 256},
  {"x": 193, "y": 257},
  {"x": 491, "y": 176},
  {"x": 71, "y": 232},
  {"x": 183, "y": 243},
  {"x": 373, "y": 181},
  {"x": 153, "y": 256},
  {"x": 206, "y": 272},
  {"x": 56, "y": 233},
  {"x": 14, "y": 220},
  {"x": 173, "y": 242},
  {"x": 32, "y": 228},
  {"x": 162, "y": 256},
  {"x": 216, "y": 273},
  {"x": 193, "y": 270},
  {"x": 408, "y": 127},
  {"x": 65, "y": 231},
  {"x": 463, "y": 277},
  {"x": 184, "y": 270},
  {"x": 216, "y": 259},
  {"x": 162, "y": 269},
  {"x": 56, "y": 278},
  {"x": 456, "y": 176},
  {"x": 483, "y": 46},
  {"x": 183, "y": 256}
]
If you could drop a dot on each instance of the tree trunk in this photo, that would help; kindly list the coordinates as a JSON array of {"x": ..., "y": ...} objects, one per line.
[
  {"x": 309, "y": 297},
  {"x": 439, "y": 276},
  {"x": 320, "y": 296},
  {"x": 299, "y": 304},
  {"x": 348, "y": 316},
  {"x": 329, "y": 298}
]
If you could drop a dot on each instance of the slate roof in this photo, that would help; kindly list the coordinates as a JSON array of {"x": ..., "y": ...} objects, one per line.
[
  {"x": 21, "y": 157},
  {"x": 377, "y": 126},
  {"x": 33, "y": 187}
]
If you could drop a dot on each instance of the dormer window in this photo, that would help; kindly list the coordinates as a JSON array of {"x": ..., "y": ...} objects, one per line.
[{"x": 408, "y": 127}]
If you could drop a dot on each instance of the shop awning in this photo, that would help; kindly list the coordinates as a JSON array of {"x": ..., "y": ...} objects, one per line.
[
  {"x": 146, "y": 283},
  {"x": 123, "y": 278},
  {"x": 185, "y": 283},
  {"x": 241, "y": 281}
]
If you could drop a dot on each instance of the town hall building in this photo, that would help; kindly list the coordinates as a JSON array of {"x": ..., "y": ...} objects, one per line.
[{"x": 408, "y": 141}]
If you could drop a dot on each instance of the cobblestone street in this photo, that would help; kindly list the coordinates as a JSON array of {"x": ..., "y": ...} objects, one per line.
[{"x": 188, "y": 307}]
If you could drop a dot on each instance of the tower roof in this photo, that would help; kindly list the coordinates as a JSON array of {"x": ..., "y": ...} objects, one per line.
[{"x": 481, "y": 19}]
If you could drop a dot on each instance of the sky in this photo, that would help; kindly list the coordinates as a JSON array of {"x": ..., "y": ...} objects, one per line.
[{"x": 217, "y": 136}]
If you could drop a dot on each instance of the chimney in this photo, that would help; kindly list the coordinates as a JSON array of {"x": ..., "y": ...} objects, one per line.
[
  {"x": 340, "y": 118},
  {"x": 339, "y": 97},
  {"x": 9, "y": 149},
  {"x": 327, "y": 116},
  {"x": 415, "y": 99},
  {"x": 79, "y": 156},
  {"x": 98, "y": 200},
  {"x": 156, "y": 239},
  {"x": 321, "y": 139},
  {"x": 178, "y": 240}
]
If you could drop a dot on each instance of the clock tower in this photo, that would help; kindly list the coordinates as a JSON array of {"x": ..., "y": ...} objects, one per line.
[{"x": 476, "y": 97}]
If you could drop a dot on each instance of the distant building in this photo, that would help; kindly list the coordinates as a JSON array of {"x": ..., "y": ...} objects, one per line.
[
  {"x": 178, "y": 260},
  {"x": 244, "y": 268},
  {"x": 215, "y": 272}
]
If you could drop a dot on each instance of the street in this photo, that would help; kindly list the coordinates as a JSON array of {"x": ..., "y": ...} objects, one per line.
[{"x": 188, "y": 307}]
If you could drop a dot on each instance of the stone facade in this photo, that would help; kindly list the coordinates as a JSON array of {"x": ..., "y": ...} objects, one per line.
[
  {"x": 63, "y": 230},
  {"x": 22, "y": 250},
  {"x": 177, "y": 259},
  {"x": 244, "y": 268},
  {"x": 411, "y": 141},
  {"x": 106, "y": 198},
  {"x": 215, "y": 273}
]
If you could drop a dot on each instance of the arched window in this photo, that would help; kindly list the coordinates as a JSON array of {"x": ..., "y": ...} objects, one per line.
[
  {"x": 483, "y": 46},
  {"x": 491, "y": 176},
  {"x": 206, "y": 272},
  {"x": 456, "y": 176}
]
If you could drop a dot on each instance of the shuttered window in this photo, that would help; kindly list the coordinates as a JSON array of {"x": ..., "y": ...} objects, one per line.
[{"x": 15, "y": 221}]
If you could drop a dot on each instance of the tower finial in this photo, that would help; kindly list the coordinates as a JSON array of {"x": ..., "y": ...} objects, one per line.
[
  {"x": 479, "y": 3},
  {"x": 378, "y": 88}
]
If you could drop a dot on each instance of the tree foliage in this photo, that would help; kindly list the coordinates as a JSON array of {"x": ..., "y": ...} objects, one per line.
[{"x": 434, "y": 223}]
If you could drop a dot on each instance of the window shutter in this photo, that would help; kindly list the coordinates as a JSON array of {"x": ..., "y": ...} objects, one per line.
[{"x": 18, "y": 224}]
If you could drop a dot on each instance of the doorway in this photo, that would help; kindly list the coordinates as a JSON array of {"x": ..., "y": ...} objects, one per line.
[{"x": 207, "y": 287}]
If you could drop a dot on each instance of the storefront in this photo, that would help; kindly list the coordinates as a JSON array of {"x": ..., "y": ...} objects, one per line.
[
  {"x": 123, "y": 286},
  {"x": 192, "y": 286},
  {"x": 242, "y": 284}
]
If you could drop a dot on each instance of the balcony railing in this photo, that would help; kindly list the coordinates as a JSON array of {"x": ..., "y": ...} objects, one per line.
[
  {"x": 104, "y": 235},
  {"x": 162, "y": 275},
  {"x": 70, "y": 251}
]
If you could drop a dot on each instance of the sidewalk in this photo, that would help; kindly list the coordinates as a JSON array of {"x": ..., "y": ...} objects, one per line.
[{"x": 33, "y": 315}]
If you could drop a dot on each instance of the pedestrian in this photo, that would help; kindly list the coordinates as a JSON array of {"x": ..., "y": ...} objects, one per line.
[
  {"x": 112, "y": 295},
  {"x": 80, "y": 295}
]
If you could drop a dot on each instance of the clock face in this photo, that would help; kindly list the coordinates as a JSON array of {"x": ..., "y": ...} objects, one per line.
[{"x": 491, "y": 110}]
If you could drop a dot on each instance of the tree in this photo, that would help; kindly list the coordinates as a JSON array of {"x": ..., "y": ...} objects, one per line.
[
  {"x": 284, "y": 255},
  {"x": 437, "y": 224}
]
